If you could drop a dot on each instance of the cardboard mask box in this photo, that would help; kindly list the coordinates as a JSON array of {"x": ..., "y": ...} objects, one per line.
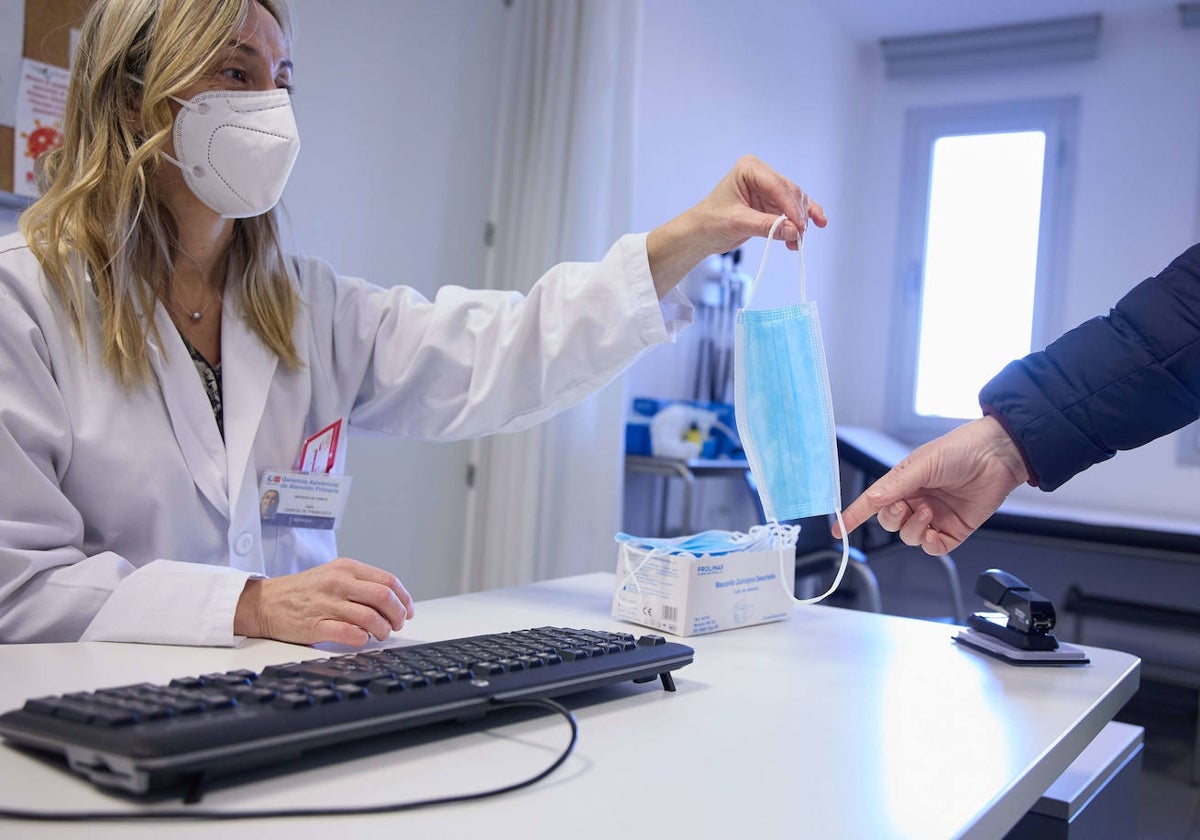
[{"x": 685, "y": 595}]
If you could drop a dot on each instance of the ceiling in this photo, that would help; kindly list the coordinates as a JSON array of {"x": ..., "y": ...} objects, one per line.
[{"x": 870, "y": 20}]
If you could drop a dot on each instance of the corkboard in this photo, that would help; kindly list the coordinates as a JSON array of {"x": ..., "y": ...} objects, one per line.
[
  {"x": 6, "y": 158},
  {"x": 48, "y": 25}
]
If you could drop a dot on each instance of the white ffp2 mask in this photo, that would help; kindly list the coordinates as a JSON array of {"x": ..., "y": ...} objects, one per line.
[{"x": 236, "y": 149}]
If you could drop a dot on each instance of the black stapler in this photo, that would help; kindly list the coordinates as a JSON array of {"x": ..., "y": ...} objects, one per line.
[
  {"x": 1022, "y": 617},
  {"x": 1018, "y": 628}
]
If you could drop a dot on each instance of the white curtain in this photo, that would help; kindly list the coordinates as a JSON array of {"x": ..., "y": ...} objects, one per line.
[{"x": 547, "y": 502}]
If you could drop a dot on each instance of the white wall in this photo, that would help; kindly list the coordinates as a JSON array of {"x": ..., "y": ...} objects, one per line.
[
  {"x": 396, "y": 105},
  {"x": 721, "y": 79},
  {"x": 1136, "y": 202}
]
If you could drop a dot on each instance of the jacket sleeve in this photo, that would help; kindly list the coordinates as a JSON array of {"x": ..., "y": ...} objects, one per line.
[
  {"x": 476, "y": 362},
  {"x": 1112, "y": 383}
]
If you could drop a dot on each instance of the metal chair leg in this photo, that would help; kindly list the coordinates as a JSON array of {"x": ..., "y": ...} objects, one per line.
[{"x": 956, "y": 598}]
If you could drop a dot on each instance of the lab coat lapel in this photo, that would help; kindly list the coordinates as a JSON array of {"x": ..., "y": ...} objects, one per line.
[
  {"x": 190, "y": 411},
  {"x": 245, "y": 385}
]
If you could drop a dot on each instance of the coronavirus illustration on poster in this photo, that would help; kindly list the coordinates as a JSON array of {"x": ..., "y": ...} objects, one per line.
[{"x": 41, "y": 102}]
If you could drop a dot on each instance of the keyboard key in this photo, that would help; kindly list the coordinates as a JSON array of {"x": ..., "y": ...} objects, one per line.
[
  {"x": 224, "y": 680},
  {"x": 114, "y": 717},
  {"x": 75, "y": 710},
  {"x": 292, "y": 701},
  {"x": 42, "y": 705},
  {"x": 350, "y": 691},
  {"x": 254, "y": 694}
]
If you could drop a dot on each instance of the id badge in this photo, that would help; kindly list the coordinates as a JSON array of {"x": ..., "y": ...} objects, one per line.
[
  {"x": 308, "y": 497},
  {"x": 302, "y": 500}
]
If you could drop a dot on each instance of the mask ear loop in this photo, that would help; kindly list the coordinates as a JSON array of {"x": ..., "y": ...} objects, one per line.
[
  {"x": 200, "y": 108},
  {"x": 763, "y": 263},
  {"x": 631, "y": 572},
  {"x": 837, "y": 579},
  {"x": 784, "y": 575}
]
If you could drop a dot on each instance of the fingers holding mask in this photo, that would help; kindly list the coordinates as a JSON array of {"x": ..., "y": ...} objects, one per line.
[
  {"x": 774, "y": 195},
  {"x": 748, "y": 201},
  {"x": 884, "y": 500}
]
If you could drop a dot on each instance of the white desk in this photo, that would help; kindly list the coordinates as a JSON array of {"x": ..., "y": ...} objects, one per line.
[{"x": 834, "y": 724}]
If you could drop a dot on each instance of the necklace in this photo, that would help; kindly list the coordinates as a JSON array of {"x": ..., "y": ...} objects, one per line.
[{"x": 195, "y": 315}]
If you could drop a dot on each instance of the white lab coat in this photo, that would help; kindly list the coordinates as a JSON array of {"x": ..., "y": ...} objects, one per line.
[{"x": 124, "y": 516}]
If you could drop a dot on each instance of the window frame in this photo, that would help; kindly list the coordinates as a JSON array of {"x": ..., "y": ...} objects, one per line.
[{"x": 1058, "y": 118}]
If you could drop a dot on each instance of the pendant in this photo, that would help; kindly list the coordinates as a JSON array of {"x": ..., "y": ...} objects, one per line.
[{"x": 196, "y": 316}]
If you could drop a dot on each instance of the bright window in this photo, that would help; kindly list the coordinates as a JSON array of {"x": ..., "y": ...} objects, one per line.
[{"x": 982, "y": 213}]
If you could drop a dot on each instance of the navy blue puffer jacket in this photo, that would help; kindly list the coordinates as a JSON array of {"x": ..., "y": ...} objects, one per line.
[{"x": 1112, "y": 383}]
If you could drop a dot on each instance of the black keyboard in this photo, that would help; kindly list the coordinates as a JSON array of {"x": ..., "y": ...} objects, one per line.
[{"x": 146, "y": 737}]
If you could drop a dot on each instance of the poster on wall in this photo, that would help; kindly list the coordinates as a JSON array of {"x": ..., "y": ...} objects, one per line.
[
  {"x": 41, "y": 103},
  {"x": 12, "y": 33}
]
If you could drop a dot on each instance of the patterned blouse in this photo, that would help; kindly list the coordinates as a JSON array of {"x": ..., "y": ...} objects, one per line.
[{"x": 210, "y": 376}]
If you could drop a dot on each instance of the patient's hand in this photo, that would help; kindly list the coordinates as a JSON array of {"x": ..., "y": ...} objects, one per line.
[{"x": 937, "y": 496}]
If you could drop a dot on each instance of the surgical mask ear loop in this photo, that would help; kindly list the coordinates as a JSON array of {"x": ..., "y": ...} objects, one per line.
[
  {"x": 784, "y": 574},
  {"x": 631, "y": 572},
  {"x": 201, "y": 107}
]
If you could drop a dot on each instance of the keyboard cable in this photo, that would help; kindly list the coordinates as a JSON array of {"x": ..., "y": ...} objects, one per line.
[{"x": 283, "y": 813}]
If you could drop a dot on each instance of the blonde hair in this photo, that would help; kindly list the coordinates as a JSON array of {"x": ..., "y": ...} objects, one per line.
[{"x": 98, "y": 214}]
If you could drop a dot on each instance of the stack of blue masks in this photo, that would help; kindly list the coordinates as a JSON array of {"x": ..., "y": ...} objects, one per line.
[{"x": 717, "y": 543}]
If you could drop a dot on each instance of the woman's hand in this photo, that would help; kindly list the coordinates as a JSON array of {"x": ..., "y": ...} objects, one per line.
[
  {"x": 937, "y": 496},
  {"x": 745, "y": 203},
  {"x": 343, "y": 601}
]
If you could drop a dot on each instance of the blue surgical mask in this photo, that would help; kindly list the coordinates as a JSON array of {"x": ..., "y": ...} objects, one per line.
[
  {"x": 784, "y": 411},
  {"x": 783, "y": 406},
  {"x": 784, "y": 414}
]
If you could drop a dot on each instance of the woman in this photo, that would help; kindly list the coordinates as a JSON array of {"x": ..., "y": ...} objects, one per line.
[{"x": 165, "y": 353}]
